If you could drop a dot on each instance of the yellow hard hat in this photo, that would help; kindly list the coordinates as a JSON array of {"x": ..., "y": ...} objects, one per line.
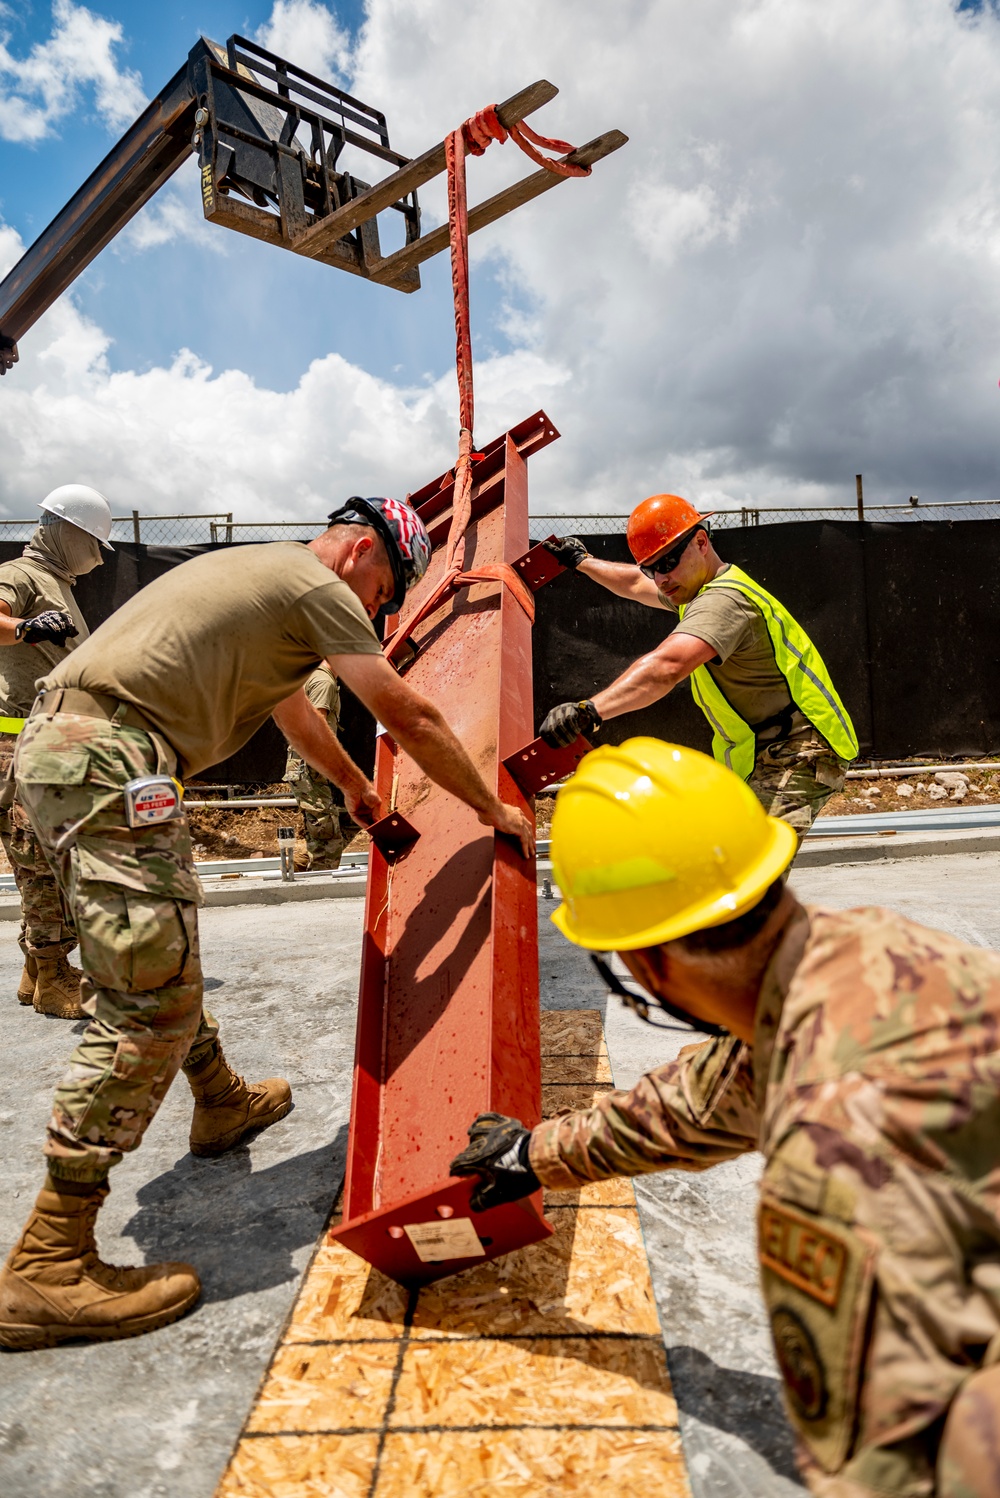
[{"x": 651, "y": 841}]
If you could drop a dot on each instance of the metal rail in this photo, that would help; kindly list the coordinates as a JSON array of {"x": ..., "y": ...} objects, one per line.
[{"x": 927, "y": 819}]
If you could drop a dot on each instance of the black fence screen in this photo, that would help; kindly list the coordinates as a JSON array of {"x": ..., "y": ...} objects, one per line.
[{"x": 906, "y": 617}]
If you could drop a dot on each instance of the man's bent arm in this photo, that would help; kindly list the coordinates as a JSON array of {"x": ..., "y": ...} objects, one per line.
[
  {"x": 623, "y": 579},
  {"x": 8, "y": 625},
  {"x": 652, "y": 676},
  {"x": 419, "y": 728},
  {"x": 655, "y": 1127},
  {"x": 309, "y": 734}
]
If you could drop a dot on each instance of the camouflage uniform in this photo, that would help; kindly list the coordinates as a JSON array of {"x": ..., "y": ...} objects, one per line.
[
  {"x": 873, "y": 1089},
  {"x": 133, "y": 893},
  {"x": 794, "y": 777},
  {"x": 316, "y": 796},
  {"x": 29, "y": 587},
  {"x": 45, "y": 931}
]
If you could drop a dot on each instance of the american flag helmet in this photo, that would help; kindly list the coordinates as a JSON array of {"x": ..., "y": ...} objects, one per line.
[{"x": 405, "y": 536}]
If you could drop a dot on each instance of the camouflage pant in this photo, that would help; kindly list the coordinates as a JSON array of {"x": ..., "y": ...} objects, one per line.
[
  {"x": 45, "y": 931},
  {"x": 133, "y": 895},
  {"x": 794, "y": 778},
  {"x": 320, "y": 813}
]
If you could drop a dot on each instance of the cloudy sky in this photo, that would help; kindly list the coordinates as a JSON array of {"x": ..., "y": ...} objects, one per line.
[{"x": 790, "y": 274}]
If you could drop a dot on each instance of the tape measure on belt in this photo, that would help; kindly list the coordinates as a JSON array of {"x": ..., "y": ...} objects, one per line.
[{"x": 12, "y": 725}]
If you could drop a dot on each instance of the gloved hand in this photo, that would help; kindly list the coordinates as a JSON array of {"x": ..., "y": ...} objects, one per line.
[
  {"x": 569, "y": 550},
  {"x": 54, "y": 625},
  {"x": 562, "y": 725},
  {"x": 498, "y": 1153}
]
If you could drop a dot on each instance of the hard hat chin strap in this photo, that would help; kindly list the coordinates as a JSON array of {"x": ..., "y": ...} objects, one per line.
[{"x": 639, "y": 1003}]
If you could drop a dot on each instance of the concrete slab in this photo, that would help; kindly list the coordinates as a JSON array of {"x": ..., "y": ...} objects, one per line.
[{"x": 159, "y": 1415}]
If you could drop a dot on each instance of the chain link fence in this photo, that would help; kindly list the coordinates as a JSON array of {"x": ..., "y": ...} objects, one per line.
[
  {"x": 221, "y": 529},
  {"x": 604, "y": 525},
  {"x": 186, "y": 530}
]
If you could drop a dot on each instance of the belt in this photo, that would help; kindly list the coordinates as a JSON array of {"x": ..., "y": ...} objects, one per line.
[
  {"x": 790, "y": 720},
  {"x": 89, "y": 705}
]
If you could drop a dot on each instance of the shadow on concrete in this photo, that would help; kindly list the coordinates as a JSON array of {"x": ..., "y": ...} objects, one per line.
[
  {"x": 747, "y": 1405},
  {"x": 239, "y": 1227}
]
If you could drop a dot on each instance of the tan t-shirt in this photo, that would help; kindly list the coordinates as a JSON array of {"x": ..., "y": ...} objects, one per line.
[
  {"x": 323, "y": 691},
  {"x": 29, "y": 589},
  {"x": 208, "y": 650},
  {"x": 745, "y": 669}
]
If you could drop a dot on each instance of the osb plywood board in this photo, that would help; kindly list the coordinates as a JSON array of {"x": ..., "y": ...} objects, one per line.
[
  {"x": 617, "y": 1192},
  {"x": 302, "y": 1467},
  {"x": 316, "y": 1388},
  {"x": 559, "y": 1097},
  {"x": 572, "y": 1032},
  {"x": 533, "y": 1464},
  {"x": 550, "y": 1381},
  {"x": 534, "y": 1376},
  {"x": 343, "y": 1297},
  {"x": 590, "y": 1276},
  {"x": 565, "y": 1069}
]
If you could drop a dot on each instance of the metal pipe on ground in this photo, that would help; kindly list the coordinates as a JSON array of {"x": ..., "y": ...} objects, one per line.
[
  {"x": 245, "y": 802},
  {"x": 922, "y": 769}
]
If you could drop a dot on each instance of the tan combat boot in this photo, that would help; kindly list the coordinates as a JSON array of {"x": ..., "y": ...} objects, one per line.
[
  {"x": 26, "y": 987},
  {"x": 54, "y": 1287},
  {"x": 57, "y": 988},
  {"x": 226, "y": 1107}
]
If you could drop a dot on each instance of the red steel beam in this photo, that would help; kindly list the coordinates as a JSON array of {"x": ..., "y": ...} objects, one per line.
[{"x": 448, "y": 1016}]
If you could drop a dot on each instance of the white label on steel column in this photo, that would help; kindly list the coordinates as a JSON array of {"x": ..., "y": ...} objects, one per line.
[{"x": 452, "y": 1238}]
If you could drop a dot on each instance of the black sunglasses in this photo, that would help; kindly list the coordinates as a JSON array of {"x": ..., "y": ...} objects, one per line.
[
  {"x": 639, "y": 1003},
  {"x": 668, "y": 560}
]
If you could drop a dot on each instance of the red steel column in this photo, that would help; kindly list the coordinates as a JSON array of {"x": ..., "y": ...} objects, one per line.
[{"x": 448, "y": 1019}]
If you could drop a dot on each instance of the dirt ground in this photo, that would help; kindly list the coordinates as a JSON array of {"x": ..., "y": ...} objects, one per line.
[
  {"x": 875, "y": 794},
  {"x": 253, "y": 832},
  {"x": 249, "y": 833}
]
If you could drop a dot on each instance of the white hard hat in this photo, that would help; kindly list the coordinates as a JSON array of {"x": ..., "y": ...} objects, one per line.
[{"x": 83, "y": 507}]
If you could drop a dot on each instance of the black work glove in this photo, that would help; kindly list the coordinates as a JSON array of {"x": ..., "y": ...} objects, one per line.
[
  {"x": 568, "y": 550},
  {"x": 498, "y": 1153},
  {"x": 54, "y": 625},
  {"x": 564, "y": 723}
]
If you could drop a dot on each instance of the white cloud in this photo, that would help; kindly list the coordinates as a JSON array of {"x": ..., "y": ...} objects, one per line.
[
  {"x": 789, "y": 275},
  {"x": 307, "y": 33},
  {"x": 40, "y": 90},
  {"x": 185, "y": 438},
  {"x": 175, "y": 213}
]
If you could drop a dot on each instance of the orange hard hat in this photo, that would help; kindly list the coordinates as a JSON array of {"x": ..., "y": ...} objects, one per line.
[{"x": 659, "y": 520}]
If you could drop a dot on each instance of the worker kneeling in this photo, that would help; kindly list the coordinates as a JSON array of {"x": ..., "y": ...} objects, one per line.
[
  {"x": 858, "y": 1051},
  {"x": 775, "y": 715}
]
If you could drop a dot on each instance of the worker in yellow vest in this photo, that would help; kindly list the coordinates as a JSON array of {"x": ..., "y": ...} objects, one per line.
[{"x": 775, "y": 715}]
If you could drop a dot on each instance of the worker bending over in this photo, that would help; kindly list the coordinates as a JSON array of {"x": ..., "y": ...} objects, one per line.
[
  {"x": 775, "y": 716},
  {"x": 858, "y": 1051},
  {"x": 316, "y": 796},
  {"x": 177, "y": 680},
  {"x": 40, "y": 623}
]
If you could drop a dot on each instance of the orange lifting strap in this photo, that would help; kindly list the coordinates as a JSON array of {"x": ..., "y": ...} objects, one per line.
[{"x": 473, "y": 138}]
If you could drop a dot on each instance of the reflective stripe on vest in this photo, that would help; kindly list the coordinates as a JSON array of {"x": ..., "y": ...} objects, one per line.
[{"x": 800, "y": 663}]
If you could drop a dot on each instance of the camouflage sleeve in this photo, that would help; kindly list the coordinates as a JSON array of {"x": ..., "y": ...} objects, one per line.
[{"x": 687, "y": 1115}]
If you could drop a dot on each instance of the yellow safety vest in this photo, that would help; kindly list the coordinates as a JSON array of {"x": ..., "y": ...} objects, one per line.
[
  {"x": 12, "y": 725},
  {"x": 800, "y": 663}
]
